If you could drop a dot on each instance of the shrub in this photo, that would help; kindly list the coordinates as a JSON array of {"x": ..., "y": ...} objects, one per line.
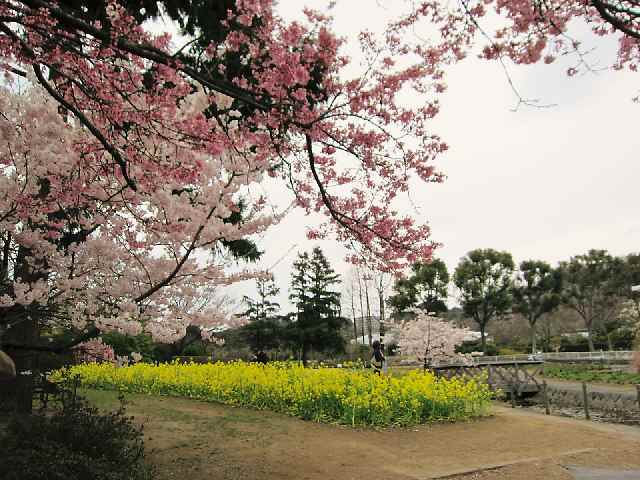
[
  {"x": 125, "y": 345},
  {"x": 476, "y": 346},
  {"x": 74, "y": 444},
  {"x": 194, "y": 350},
  {"x": 508, "y": 351}
]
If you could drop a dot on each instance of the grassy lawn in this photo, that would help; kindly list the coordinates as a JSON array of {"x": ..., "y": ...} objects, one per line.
[
  {"x": 590, "y": 373},
  {"x": 164, "y": 409},
  {"x": 103, "y": 399}
]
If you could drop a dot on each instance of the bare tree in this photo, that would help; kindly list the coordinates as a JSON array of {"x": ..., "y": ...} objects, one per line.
[
  {"x": 360, "y": 291},
  {"x": 351, "y": 295},
  {"x": 366, "y": 279},
  {"x": 383, "y": 281}
]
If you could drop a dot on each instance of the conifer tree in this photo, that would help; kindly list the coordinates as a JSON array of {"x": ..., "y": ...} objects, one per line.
[
  {"x": 318, "y": 317},
  {"x": 263, "y": 331}
]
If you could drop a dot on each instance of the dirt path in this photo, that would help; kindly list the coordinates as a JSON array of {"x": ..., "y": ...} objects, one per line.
[{"x": 197, "y": 441}]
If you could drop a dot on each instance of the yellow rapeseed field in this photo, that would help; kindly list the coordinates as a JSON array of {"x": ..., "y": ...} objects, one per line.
[{"x": 347, "y": 396}]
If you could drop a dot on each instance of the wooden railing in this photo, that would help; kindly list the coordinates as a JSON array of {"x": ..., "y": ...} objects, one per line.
[{"x": 602, "y": 356}]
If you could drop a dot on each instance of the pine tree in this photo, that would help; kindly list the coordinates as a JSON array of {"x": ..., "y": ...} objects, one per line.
[
  {"x": 319, "y": 320},
  {"x": 263, "y": 331}
]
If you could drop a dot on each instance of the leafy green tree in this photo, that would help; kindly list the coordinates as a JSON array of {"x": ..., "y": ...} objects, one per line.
[
  {"x": 425, "y": 288},
  {"x": 189, "y": 344},
  {"x": 537, "y": 290},
  {"x": 484, "y": 278},
  {"x": 631, "y": 307},
  {"x": 125, "y": 345},
  {"x": 263, "y": 331},
  {"x": 592, "y": 285},
  {"x": 318, "y": 321}
]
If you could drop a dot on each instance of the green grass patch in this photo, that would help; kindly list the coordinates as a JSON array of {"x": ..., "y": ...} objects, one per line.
[{"x": 590, "y": 373}]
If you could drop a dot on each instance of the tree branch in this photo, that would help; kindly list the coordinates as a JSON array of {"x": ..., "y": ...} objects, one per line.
[
  {"x": 603, "y": 10},
  {"x": 146, "y": 51},
  {"x": 60, "y": 348},
  {"x": 90, "y": 126}
]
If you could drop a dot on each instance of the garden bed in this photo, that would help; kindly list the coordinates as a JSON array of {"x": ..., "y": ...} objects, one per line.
[{"x": 346, "y": 396}]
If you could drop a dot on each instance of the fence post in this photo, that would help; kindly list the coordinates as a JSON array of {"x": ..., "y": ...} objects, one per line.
[
  {"x": 513, "y": 396},
  {"x": 585, "y": 401},
  {"x": 638, "y": 394},
  {"x": 545, "y": 397}
]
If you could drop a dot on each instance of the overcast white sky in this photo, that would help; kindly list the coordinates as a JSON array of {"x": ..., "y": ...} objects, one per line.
[{"x": 539, "y": 183}]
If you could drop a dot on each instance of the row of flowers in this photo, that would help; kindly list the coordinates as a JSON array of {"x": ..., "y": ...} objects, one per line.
[{"x": 353, "y": 397}]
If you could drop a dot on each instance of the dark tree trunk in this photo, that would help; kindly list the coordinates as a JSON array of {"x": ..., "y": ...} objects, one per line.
[
  {"x": 305, "y": 354},
  {"x": 590, "y": 337},
  {"x": 483, "y": 340},
  {"x": 20, "y": 390},
  {"x": 369, "y": 324},
  {"x": 534, "y": 347},
  {"x": 25, "y": 331},
  {"x": 355, "y": 329}
]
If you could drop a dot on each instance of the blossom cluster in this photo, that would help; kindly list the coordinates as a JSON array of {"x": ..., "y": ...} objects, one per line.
[
  {"x": 94, "y": 351},
  {"x": 431, "y": 339}
]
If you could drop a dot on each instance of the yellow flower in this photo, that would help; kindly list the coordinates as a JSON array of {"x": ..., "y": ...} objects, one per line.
[{"x": 346, "y": 395}]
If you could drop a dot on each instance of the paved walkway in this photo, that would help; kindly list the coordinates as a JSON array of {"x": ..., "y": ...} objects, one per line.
[{"x": 582, "y": 473}]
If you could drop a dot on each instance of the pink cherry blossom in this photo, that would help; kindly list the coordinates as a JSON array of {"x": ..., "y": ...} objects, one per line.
[{"x": 431, "y": 338}]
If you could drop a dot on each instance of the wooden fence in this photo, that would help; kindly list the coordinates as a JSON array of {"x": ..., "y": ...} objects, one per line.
[
  {"x": 609, "y": 356},
  {"x": 617, "y": 406}
]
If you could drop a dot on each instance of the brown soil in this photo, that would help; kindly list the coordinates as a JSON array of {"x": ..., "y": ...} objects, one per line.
[{"x": 197, "y": 441}]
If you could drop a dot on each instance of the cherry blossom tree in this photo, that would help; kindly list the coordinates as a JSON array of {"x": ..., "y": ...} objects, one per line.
[
  {"x": 123, "y": 157},
  {"x": 86, "y": 254},
  {"x": 521, "y": 31},
  {"x": 125, "y": 154},
  {"x": 431, "y": 339},
  {"x": 94, "y": 351}
]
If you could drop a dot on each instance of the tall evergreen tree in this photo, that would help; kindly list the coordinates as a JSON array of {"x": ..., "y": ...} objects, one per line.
[
  {"x": 264, "y": 306},
  {"x": 318, "y": 320},
  {"x": 263, "y": 331}
]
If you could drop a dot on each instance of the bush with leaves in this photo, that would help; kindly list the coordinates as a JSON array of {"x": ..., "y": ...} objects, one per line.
[
  {"x": 125, "y": 345},
  {"x": 75, "y": 444}
]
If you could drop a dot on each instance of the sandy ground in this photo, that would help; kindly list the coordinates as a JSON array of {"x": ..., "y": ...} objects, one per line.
[{"x": 196, "y": 441}]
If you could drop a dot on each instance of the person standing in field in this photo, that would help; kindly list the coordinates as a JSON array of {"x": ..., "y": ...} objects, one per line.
[{"x": 377, "y": 359}]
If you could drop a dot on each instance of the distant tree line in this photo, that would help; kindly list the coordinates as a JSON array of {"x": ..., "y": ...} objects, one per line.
[{"x": 596, "y": 286}]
